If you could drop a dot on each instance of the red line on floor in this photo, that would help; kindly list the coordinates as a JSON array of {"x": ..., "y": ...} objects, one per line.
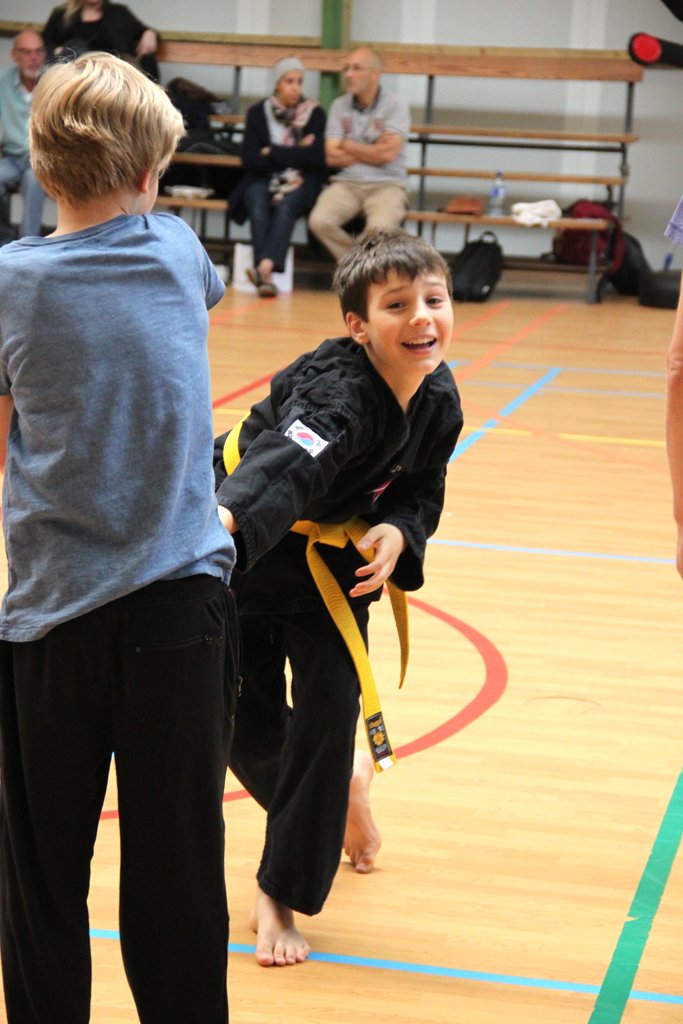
[
  {"x": 514, "y": 339},
  {"x": 491, "y": 691}
]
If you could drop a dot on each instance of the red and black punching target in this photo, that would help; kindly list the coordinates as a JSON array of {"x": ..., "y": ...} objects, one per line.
[{"x": 646, "y": 49}]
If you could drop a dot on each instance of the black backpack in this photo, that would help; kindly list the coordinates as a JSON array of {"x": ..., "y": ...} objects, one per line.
[
  {"x": 476, "y": 269},
  {"x": 627, "y": 277}
]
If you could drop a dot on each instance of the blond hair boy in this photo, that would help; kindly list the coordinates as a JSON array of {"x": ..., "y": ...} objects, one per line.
[{"x": 117, "y": 628}]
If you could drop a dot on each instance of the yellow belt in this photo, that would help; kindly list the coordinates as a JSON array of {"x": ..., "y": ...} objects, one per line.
[{"x": 338, "y": 535}]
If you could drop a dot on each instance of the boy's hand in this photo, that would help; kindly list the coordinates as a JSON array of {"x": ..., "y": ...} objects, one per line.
[
  {"x": 227, "y": 519},
  {"x": 389, "y": 543}
]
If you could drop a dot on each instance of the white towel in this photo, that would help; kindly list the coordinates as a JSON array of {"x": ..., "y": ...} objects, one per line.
[{"x": 540, "y": 213}]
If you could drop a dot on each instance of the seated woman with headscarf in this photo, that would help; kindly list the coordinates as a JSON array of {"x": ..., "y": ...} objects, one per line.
[
  {"x": 284, "y": 156},
  {"x": 81, "y": 25}
]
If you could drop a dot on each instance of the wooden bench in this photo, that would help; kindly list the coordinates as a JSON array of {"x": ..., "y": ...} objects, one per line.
[
  {"x": 420, "y": 217},
  {"x": 436, "y": 62},
  {"x": 199, "y": 208},
  {"x": 431, "y": 62},
  {"x": 594, "y": 225}
]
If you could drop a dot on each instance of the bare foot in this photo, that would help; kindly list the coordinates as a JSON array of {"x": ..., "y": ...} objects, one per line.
[
  {"x": 362, "y": 838},
  {"x": 278, "y": 942}
]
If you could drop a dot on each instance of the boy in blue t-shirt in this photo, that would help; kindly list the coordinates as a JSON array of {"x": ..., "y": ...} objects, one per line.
[{"x": 117, "y": 629}]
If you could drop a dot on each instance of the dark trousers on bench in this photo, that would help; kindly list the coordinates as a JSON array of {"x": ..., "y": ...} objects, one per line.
[{"x": 272, "y": 225}]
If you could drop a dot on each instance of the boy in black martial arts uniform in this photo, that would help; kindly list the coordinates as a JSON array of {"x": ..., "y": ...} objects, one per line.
[{"x": 363, "y": 426}]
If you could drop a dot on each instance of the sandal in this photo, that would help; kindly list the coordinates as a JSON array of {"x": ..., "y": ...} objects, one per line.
[{"x": 254, "y": 277}]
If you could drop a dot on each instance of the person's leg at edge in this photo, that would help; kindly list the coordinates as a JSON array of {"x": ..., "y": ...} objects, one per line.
[
  {"x": 337, "y": 204},
  {"x": 307, "y": 814},
  {"x": 56, "y": 755},
  {"x": 173, "y": 723}
]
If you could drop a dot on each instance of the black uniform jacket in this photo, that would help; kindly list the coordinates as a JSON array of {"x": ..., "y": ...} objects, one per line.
[
  {"x": 378, "y": 463},
  {"x": 117, "y": 31}
]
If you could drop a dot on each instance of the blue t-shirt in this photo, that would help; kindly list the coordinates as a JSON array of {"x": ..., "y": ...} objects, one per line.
[{"x": 109, "y": 480}]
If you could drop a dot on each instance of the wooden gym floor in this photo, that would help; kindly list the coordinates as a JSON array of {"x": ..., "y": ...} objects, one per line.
[{"x": 530, "y": 870}]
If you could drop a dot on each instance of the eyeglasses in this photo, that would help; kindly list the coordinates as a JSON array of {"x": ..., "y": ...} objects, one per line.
[{"x": 30, "y": 53}]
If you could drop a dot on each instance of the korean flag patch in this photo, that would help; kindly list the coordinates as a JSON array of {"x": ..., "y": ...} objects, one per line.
[{"x": 306, "y": 438}]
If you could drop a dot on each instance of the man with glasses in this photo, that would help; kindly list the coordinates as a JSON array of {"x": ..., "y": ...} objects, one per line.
[
  {"x": 365, "y": 142},
  {"x": 16, "y": 91}
]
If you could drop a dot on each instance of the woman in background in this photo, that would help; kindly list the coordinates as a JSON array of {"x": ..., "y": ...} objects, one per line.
[
  {"x": 284, "y": 157},
  {"x": 81, "y": 25}
]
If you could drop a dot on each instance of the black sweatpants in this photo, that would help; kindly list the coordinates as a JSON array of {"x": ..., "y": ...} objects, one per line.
[
  {"x": 297, "y": 762},
  {"x": 150, "y": 678}
]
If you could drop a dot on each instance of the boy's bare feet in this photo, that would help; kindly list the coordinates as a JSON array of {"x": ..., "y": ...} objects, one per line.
[
  {"x": 362, "y": 838},
  {"x": 278, "y": 942}
]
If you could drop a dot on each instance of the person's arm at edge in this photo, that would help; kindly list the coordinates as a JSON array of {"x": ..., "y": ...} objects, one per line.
[
  {"x": 6, "y": 410},
  {"x": 674, "y": 424}
]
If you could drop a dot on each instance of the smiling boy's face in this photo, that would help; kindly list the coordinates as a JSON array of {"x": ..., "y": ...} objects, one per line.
[{"x": 407, "y": 331}]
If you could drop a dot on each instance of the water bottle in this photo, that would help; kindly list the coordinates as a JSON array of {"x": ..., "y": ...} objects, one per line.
[{"x": 496, "y": 205}]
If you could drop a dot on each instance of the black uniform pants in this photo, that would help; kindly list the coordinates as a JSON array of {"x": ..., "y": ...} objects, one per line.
[
  {"x": 150, "y": 678},
  {"x": 297, "y": 762}
]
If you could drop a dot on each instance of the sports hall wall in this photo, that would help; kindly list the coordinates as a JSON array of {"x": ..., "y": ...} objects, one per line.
[{"x": 656, "y": 180}]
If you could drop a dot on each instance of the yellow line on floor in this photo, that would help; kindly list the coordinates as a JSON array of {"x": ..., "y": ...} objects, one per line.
[{"x": 590, "y": 438}]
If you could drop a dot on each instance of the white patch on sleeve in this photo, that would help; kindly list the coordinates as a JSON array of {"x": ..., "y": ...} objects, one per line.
[{"x": 306, "y": 438}]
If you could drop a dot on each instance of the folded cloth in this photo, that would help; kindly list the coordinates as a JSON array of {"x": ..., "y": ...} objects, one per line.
[{"x": 540, "y": 213}]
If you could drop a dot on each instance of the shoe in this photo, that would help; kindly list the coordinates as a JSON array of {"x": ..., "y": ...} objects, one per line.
[
  {"x": 254, "y": 277},
  {"x": 267, "y": 289}
]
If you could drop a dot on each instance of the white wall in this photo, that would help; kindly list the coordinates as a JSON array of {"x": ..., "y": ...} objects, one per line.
[{"x": 656, "y": 160}]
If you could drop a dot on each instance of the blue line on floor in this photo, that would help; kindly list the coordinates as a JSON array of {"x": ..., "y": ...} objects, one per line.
[
  {"x": 436, "y": 971},
  {"x": 524, "y": 396},
  {"x": 558, "y": 552},
  {"x": 569, "y": 390},
  {"x": 605, "y": 371},
  {"x": 529, "y": 392}
]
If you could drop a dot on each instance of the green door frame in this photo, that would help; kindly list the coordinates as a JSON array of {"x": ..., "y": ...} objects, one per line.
[{"x": 336, "y": 23}]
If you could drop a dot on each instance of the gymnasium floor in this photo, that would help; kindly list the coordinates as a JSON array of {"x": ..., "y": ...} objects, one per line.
[{"x": 531, "y": 869}]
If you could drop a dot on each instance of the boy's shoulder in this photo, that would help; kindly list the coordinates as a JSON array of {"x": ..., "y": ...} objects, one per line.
[
  {"x": 336, "y": 368},
  {"x": 339, "y": 368},
  {"x": 163, "y": 244},
  {"x": 442, "y": 382},
  {"x": 134, "y": 230},
  {"x": 330, "y": 356}
]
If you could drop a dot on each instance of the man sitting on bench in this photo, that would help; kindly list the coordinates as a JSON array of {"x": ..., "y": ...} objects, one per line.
[{"x": 365, "y": 142}]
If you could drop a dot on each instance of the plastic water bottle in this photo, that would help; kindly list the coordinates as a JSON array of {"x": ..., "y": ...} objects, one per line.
[{"x": 496, "y": 206}]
